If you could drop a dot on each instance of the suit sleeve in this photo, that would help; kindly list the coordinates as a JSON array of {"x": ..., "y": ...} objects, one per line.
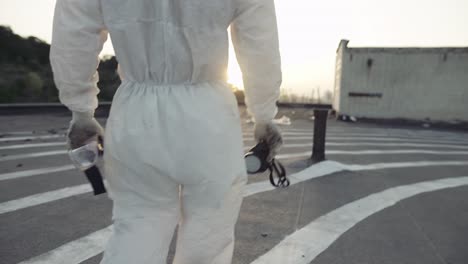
[
  {"x": 255, "y": 39},
  {"x": 78, "y": 36}
]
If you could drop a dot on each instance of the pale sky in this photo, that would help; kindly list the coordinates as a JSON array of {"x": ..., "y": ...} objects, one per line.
[{"x": 310, "y": 31}]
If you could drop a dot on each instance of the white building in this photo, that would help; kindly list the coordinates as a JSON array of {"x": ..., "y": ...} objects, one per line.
[{"x": 406, "y": 83}]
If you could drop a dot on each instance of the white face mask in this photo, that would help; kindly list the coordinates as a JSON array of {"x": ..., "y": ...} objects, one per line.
[{"x": 85, "y": 156}]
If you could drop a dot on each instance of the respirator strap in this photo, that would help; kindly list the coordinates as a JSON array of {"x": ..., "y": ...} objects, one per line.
[
  {"x": 95, "y": 178},
  {"x": 277, "y": 167}
]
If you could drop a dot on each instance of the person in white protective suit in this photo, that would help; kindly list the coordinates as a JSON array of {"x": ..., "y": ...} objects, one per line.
[{"x": 173, "y": 140}]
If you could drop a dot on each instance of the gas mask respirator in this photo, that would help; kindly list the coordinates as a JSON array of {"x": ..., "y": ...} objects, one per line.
[
  {"x": 85, "y": 159},
  {"x": 256, "y": 161}
]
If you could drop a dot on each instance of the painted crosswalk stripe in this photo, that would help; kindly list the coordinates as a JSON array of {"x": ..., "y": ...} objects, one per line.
[
  {"x": 383, "y": 130},
  {"x": 320, "y": 169},
  {"x": 328, "y": 167},
  {"x": 383, "y": 139},
  {"x": 372, "y": 152},
  {"x": 309, "y": 133},
  {"x": 377, "y": 144},
  {"x": 305, "y": 244},
  {"x": 373, "y": 135},
  {"x": 33, "y": 145},
  {"x": 42, "y": 198},
  {"x": 328, "y": 143},
  {"x": 396, "y": 138},
  {"x": 34, "y": 172},
  {"x": 247, "y": 130},
  {"x": 80, "y": 250},
  {"x": 33, "y": 155},
  {"x": 285, "y": 133},
  {"x": 15, "y": 133},
  {"x": 370, "y": 131},
  {"x": 86, "y": 247},
  {"x": 323, "y": 168},
  {"x": 399, "y": 151},
  {"x": 89, "y": 245},
  {"x": 409, "y": 164},
  {"x": 291, "y": 136},
  {"x": 293, "y": 155},
  {"x": 7, "y": 139}
]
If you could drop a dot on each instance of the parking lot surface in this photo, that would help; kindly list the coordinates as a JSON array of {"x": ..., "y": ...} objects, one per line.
[{"x": 384, "y": 195}]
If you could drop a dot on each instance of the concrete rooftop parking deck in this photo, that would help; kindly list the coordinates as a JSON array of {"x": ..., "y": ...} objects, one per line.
[{"x": 385, "y": 196}]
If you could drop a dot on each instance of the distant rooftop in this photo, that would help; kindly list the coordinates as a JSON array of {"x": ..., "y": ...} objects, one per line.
[{"x": 344, "y": 44}]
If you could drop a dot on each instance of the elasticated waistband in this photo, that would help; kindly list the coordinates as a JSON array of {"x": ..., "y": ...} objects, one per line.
[{"x": 151, "y": 83}]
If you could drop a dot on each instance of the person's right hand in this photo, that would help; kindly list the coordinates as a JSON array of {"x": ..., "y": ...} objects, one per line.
[
  {"x": 83, "y": 128},
  {"x": 270, "y": 134}
]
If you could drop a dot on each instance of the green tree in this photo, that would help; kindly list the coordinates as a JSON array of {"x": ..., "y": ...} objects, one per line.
[
  {"x": 32, "y": 85},
  {"x": 7, "y": 93}
]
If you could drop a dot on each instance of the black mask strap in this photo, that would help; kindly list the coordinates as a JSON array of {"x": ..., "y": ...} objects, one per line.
[
  {"x": 95, "y": 178},
  {"x": 277, "y": 168}
]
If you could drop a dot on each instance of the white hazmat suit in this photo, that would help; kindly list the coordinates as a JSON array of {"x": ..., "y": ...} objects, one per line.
[{"x": 173, "y": 141}]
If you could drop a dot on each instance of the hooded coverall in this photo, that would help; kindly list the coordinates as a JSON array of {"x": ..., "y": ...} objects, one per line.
[{"x": 173, "y": 142}]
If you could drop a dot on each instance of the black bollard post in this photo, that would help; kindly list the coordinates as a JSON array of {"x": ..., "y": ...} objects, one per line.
[{"x": 320, "y": 129}]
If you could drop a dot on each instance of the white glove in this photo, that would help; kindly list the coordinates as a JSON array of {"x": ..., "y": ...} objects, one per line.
[
  {"x": 269, "y": 133},
  {"x": 83, "y": 129}
]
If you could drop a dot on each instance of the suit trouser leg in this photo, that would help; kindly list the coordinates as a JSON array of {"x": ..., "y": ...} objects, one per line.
[
  {"x": 143, "y": 228},
  {"x": 206, "y": 234}
]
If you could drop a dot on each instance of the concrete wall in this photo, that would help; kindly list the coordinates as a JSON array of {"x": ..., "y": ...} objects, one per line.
[
  {"x": 409, "y": 83},
  {"x": 338, "y": 74}
]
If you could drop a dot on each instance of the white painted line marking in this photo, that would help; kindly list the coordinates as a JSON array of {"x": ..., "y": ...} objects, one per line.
[
  {"x": 402, "y": 151},
  {"x": 6, "y": 139},
  {"x": 33, "y": 145},
  {"x": 296, "y": 145},
  {"x": 397, "y": 138},
  {"x": 392, "y": 139},
  {"x": 395, "y": 165},
  {"x": 307, "y": 243},
  {"x": 61, "y": 152},
  {"x": 378, "y": 145},
  {"x": 89, "y": 246},
  {"x": 379, "y": 132},
  {"x": 33, "y": 155},
  {"x": 320, "y": 169},
  {"x": 75, "y": 251},
  {"x": 372, "y": 152},
  {"x": 81, "y": 250},
  {"x": 373, "y": 135},
  {"x": 17, "y": 133},
  {"x": 309, "y": 133},
  {"x": 284, "y": 138},
  {"x": 34, "y": 172},
  {"x": 42, "y": 198},
  {"x": 291, "y": 136},
  {"x": 386, "y": 131}
]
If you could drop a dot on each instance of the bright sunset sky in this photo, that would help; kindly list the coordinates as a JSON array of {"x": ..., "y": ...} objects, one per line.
[{"x": 310, "y": 31}]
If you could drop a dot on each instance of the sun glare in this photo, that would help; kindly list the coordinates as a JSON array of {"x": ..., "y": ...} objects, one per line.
[{"x": 235, "y": 75}]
